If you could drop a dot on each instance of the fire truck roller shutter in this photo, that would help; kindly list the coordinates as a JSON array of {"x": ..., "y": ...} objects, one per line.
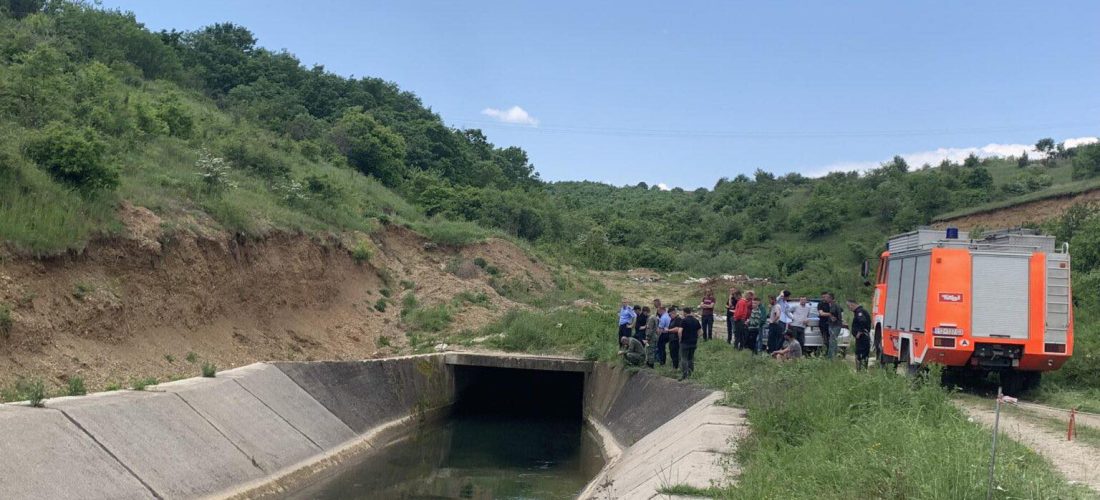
[
  {"x": 905, "y": 295},
  {"x": 920, "y": 293},
  {"x": 893, "y": 285},
  {"x": 1057, "y": 320},
  {"x": 1000, "y": 296}
]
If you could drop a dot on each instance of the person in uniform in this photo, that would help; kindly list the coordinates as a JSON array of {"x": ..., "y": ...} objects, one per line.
[{"x": 861, "y": 330}]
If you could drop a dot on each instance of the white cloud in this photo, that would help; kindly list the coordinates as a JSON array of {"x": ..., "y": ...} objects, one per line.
[
  {"x": 514, "y": 114},
  {"x": 662, "y": 186},
  {"x": 957, "y": 155}
]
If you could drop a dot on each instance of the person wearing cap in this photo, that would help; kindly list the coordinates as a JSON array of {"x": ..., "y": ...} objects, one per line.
[{"x": 861, "y": 330}]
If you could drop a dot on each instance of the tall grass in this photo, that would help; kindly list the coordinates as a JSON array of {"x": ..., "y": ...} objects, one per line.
[{"x": 822, "y": 430}]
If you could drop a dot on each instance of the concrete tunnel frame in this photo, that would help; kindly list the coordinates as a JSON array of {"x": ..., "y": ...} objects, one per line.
[{"x": 254, "y": 430}]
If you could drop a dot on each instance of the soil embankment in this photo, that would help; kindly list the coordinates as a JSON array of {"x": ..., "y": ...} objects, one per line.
[
  {"x": 1019, "y": 215},
  {"x": 157, "y": 305}
]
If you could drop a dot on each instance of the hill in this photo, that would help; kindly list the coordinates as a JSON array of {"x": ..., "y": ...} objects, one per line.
[{"x": 220, "y": 139}]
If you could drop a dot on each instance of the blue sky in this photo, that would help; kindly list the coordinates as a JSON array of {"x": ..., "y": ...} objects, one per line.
[{"x": 683, "y": 93}]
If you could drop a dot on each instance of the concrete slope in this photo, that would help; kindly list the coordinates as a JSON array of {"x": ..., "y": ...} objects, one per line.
[
  {"x": 176, "y": 451},
  {"x": 45, "y": 455},
  {"x": 260, "y": 433},
  {"x": 632, "y": 404},
  {"x": 279, "y": 393},
  {"x": 694, "y": 448},
  {"x": 367, "y": 394}
]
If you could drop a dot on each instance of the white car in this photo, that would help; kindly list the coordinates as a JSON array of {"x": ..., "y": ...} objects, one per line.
[{"x": 814, "y": 339}]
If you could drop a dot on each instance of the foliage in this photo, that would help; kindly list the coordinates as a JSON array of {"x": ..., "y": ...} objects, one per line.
[
  {"x": 75, "y": 387},
  {"x": 1086, "y": 163},
  {"x": 209, "y": 370},
  {"x": 33, "y": 391},
  {"x": 141, "y": 383},
  {"x": 214, "y": 172},
  {"x": 73, "y": 156},
  {"x": 380, "y": 305},
  {"x": 191, "y": 357},
  {"x": 361, "y": 253},
  {"x": 426, "y": 318}
]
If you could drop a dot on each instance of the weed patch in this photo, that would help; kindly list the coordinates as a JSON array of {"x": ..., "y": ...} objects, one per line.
[
  {"x": 209, "y": 370},
  {"x": 141, "y": 383},
  {"x": 75, "y": 387},
  {"x": 191, "y": 357}
]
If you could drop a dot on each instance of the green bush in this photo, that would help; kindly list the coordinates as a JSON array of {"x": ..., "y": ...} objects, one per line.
[
  {"x": 361, "y": 253},
  {"x": 209, "y": 369},
  {"x": 380, "y": 305},
  {"x": 75, "y": 387},
  {"x": 31, "y": 390},
  {"x": 257, "y": 158},
  {"x": 73, "y": 156},
  {"x": 191, "y": 357}
]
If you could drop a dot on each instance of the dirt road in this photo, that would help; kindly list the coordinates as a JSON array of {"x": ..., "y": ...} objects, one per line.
[{"x": 1079, "y": 462}]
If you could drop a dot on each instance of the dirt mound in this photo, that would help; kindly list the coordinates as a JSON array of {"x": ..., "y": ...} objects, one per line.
[
  {"x": 1019, "y": 215},
  {"x": 154, "y": 305}
]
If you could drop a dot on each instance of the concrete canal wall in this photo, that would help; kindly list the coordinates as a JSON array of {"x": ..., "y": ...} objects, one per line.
[{"x": 251, "y": 430}]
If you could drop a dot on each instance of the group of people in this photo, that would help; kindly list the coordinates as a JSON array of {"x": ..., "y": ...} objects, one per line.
[{"x": 652, "y": 336}]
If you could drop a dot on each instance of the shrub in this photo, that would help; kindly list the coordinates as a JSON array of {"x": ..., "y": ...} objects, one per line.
[
  {"x": 258, "y": 159},
  {"x": 73, "y": 156},
  {"x": 75, "y": 387},
  {"x": 380, "y": 305},
  {"x": 324, "y": 189},
  {"x": 385, "y": 292},
  {"x": 141, "y": 383},
  {"x": 209, "y": 370},
  {"x": 214, "y": 172},
  {"x": 31, "y": 390},
  {"x": 169, "y": 358},
  {"x": 384, "y": 341},
  {"x": 361, "y": 253},
  {"x": 191, "y": 357},
  {"x": 171, "y": 111},
  {"x": 113, "y": 386},
  {"x": 407, "y": 285},
  {"x": 35, "y": 391},
  {"x": 5, "y": 320},
  {"x": 481, "y": 262}
]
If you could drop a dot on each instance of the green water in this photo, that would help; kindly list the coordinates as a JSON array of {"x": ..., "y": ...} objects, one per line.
[{"x": 475, "y": 457}]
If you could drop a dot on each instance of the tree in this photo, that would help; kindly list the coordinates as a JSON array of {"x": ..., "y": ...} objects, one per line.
[
  {"x": 1022, "y": 161},
  {"x": 1086, "y": 162},
  {"x": 978, "y": 178},
  {"x": 21, "y": 8},
  {"x": 370, "y": 147},
  {"x": 1045, "y": 146},
  {"x": 971, "y": 161}
]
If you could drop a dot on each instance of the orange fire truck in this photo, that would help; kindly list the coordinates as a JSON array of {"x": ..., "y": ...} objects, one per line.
[{"x": 1000, "y": 303}]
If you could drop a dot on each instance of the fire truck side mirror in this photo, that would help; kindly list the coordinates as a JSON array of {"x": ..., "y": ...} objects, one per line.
[{"x": 865, "y": 269}]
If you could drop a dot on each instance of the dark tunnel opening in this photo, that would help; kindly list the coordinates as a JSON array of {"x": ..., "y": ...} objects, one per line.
[{"x": 517, "y": 393}]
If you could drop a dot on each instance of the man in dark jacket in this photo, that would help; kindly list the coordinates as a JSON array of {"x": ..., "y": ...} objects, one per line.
[
  {"x": 689, "y": 338},
  {"x": 861, "y": 330}
]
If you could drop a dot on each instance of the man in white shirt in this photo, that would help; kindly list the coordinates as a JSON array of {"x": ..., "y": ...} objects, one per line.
[{"x": 800, "y": 317}]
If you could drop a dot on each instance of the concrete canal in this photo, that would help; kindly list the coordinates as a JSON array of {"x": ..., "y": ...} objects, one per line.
[{"x": 455, "y": 425}]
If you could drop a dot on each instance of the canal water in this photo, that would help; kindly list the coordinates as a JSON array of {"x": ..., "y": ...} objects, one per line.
[{"x": 475, "y": 456}]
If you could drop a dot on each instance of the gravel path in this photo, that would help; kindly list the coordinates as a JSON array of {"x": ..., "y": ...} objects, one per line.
[{"x": 1078, "y": 462}]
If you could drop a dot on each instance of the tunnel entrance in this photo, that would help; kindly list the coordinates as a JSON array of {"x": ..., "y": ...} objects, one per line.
[
  {"x": 482, "y": 391},
  {"x": 510, "y": 433}
]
